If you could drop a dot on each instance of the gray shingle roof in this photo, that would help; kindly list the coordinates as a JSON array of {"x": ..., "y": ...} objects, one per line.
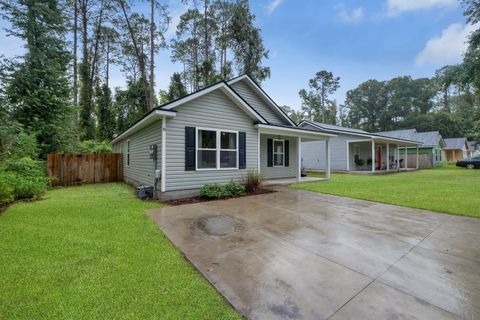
[
  {"x": 327, "y": 126},
  {"x": 408, "y": 134},
  {"x": 454, "y": 143},
  {"x": 428, "y": 139}
]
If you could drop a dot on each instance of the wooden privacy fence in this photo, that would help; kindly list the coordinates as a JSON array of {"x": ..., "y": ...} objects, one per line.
[
  {"x": 70, "y": 168},
  {"x": 425, "y": 161}
]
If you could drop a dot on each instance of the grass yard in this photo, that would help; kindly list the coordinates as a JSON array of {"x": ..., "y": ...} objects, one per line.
[
  {"x": 90, "y": 252},
  {"x": 447, "y": 189}
]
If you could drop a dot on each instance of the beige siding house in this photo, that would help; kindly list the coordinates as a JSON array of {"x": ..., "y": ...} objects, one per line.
[
  {"x": 214, "y": 135},
  {"x": 456, "y": 149}
]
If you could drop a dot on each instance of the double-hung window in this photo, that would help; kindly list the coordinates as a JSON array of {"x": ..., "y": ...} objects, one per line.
[
  {"x": 278, "y": 153},
  {"x": 217, "y": 149}
]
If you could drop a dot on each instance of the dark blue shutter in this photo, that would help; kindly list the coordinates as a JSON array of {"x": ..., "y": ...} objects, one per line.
[
  {"x": 269, "y": 152},
  {"x": 190, "y": 148},
  {"x": 287, "y": 153},
  {"x": 242, "y": 150}
]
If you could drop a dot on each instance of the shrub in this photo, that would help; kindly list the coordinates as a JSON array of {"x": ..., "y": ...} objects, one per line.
[
  {"x": 25, "y": 177},
  {"x": 24, "y": 167},
  {"x": 359, "y": 162},
  {"x": 6, "y": 192},
  {"x": 252, "y": 181},
  {"x": 212, "y": 191},
  {"x": 234, "y": 189},
  {"x": 91, "y": 146},
  {"x": 216, "y": 191}
]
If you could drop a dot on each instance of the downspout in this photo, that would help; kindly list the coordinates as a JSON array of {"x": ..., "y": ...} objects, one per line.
[{"x": 164, "y": 155}]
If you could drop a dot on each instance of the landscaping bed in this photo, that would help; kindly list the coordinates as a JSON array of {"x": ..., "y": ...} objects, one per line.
[{"x": 197, "y": 199}]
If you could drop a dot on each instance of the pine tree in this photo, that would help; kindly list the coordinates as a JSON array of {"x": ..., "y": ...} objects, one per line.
[
  {"x": 106, "y": 121},
  {"x": 37, "y": 85}
]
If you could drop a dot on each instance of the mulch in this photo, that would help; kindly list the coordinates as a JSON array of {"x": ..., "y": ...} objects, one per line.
[{"x": 198, "y": 199}]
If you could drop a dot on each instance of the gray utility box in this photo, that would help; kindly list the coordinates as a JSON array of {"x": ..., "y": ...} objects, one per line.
[{"x": 144, "y": 192}]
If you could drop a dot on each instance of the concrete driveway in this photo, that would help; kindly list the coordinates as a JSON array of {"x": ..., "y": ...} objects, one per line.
[{"x": 301, "y": 255}]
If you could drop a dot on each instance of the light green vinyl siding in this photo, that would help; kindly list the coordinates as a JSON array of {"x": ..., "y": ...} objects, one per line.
[
  {"x": 278, "y": 172},
  {"x": 216, "y": 111},
  {"x": 142, "y": 168},
  {"x": 257, "y": 102}
]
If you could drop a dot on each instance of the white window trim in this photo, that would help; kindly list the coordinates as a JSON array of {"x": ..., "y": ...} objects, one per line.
[
  {"x": 218, "y": 148},
  {"x": 127, "y": 161},
  {"x": 283, "y": 153}
]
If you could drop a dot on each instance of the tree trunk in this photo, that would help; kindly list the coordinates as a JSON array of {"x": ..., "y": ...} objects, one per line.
[
  {"x": 75, "y": 71},
  {"x": 97, "y": 41},
  {"x": 205, "y": 22},
  {"x": 107, "y": 71},
  {"x": 152, "y": 51},
  {"x": 446, "y": 106},
  {"x": 141, "y": 60}
]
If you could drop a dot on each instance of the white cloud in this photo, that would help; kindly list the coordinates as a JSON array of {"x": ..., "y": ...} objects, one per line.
[
  {"x": 273, "y": 5},
  {"x": 354, "y": 16},
  {"x": 446, "y": 48},
  {"x": 398, "y": 6}
]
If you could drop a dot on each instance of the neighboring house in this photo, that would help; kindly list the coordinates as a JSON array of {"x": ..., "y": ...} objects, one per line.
[
  {"x": 214, "y": 135},
  {"x": 474, "y": 148},
  {"x": 456, "y": 149},
  {"x": 430, "y": 149},
  {"x": 354, "y": 150}
]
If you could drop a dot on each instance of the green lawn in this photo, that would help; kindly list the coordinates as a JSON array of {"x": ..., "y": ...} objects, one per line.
[
  {"x": 447, "y": 189},
  {"x": 90, "y": 252}
]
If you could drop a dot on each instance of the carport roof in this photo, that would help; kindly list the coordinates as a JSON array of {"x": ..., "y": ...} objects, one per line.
[{"x": 329, "y": 128}]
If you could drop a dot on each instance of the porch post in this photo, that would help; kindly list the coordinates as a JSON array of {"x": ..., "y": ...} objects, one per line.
[
  {"x": 406, "y": 158},
  {"x": 258, "y": 151},
  {"x": 348, "y": 156},
  {"x": 327, "y": 158},
  {"x": 373, "y": 155},
  {"x": 417, "y": 158},
  {"x": 299, "y": 159},
  {"x": 388, "y": 156},
  {"x": 398, "y": 157}
]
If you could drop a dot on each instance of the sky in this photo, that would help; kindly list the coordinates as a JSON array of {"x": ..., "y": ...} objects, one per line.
[{"x": 355, "y": 40}]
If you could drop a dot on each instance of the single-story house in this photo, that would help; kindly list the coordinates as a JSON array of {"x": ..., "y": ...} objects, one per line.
[
  {"x": 456, "y": 149},
  {"x": 430, "y": 150},
  {"x": 213, "y": 135},
  {"x": 354, "y": 150},
  {"x": 474, "y": 148}
]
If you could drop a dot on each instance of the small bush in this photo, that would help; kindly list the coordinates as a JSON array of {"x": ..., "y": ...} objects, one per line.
[
  {"x": 91, "y": 146},
  {"x": 24, "y": 177},
  {"x": 359, "y": 162},
  {"x": 252, "y": 181},
  {"x": 216, "y": 191},
  {"x": 212, "y": 191},
  {"x": 6, "y": 192},
  {"x": 234, "y": 189},
  {"x": 24, "y": 167}
]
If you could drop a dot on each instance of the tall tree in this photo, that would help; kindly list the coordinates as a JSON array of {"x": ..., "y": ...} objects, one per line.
[
  {"x": 315, "y": 102},
  {"x": 155, "y": 34},
  {"x": 366, "y": 105},
  {"x": 106, "y": 120},
  {"x": 38, "y": 92},
  {"x": 176, "y": 89},
  {"x": 247, "y": 42}
]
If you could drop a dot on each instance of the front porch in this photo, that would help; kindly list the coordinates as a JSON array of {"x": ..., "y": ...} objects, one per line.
[
  {"x": 379, "y": 155},
  {"x": 279, "y": 151}
]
